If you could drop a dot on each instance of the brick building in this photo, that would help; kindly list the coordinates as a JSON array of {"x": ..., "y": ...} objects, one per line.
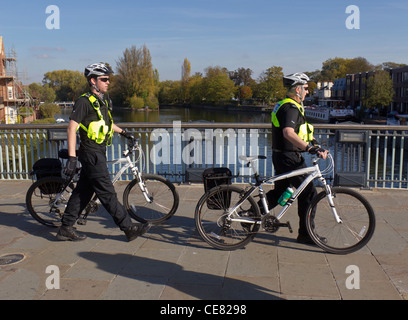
[
  {"x": 14, "y": 100},
  {"x": 356, "y": 86},
  {"x": 400, "y": 83}
]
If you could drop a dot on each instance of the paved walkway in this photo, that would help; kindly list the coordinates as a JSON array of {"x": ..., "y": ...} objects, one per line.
[{"x": 172, "y": 262}]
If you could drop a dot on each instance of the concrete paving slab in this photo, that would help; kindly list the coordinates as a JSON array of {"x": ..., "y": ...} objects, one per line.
[{"x": 172, "y": 262}]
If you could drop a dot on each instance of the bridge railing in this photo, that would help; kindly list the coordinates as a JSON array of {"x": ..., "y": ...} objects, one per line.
[{"x": 365, "y": 155}]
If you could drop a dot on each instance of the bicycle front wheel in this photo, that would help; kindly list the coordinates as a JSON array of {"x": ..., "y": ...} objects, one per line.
[
  {"x": 46, "y": 200},
  {"x": 217, "y": 227},
  {"x": 156, "y": 204},
  {"x": 357, "y": 221}
]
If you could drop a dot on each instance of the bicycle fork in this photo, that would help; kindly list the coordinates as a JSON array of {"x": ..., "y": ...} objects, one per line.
[
  {"x": 329, "y": 196},
  {"x": 143, "y": 188}
]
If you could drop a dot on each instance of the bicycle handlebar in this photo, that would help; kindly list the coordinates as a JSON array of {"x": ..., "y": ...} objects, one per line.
[{"x": 133, "y": 145}]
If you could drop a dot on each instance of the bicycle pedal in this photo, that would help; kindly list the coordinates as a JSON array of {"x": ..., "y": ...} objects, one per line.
[
  {"x": 81, "y": 222},
  {"x": 289, "y": 227},
  {"x": 286, "y": 225}
]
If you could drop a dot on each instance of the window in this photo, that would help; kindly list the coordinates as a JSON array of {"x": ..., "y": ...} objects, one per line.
[{"x": 10, "y": 93}]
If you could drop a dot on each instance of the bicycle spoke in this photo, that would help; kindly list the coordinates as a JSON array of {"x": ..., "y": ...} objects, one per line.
[
  {"x": 222, "y": 228},
  {"x": 162, "y": 203},
  {"x": 352, "y": 233}
]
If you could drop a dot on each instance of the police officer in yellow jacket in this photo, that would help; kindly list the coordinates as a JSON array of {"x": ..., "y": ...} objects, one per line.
[
  {"x": 291, "y": 135},
  {"x": 92, "y": 117}
]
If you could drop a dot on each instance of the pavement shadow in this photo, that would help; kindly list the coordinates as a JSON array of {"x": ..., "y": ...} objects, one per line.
[
  {"x": 195, "y": 284},
  {"x": 21, "y": 219},
  {"x": 181, "y": 230}
]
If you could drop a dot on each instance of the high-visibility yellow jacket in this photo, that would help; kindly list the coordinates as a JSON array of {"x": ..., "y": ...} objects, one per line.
[
  {"x": 98, "y": 130},
  {"x": 305, "y": 129}
]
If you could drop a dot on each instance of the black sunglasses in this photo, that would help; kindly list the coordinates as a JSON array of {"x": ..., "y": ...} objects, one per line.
[{"x": 104, "y": 79}]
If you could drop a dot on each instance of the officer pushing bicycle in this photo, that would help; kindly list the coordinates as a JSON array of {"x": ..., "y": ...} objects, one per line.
[{"x": 91, "y": 116}]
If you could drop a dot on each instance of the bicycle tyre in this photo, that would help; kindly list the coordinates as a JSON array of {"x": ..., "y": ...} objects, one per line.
[
  {"x": 356, "y": 229},
  {"x": 216, "y": 231},
  {"x": 41, "y": 194},
  {"x": 165, "y": 199}
]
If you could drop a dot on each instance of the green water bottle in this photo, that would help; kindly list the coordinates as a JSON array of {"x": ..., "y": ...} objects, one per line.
[{"x": 285, "y": 196}]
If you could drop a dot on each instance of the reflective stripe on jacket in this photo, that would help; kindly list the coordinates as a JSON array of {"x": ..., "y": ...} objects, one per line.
[
  {"x": 305, "y": 130},
  {"x": 98, "y": 130}
]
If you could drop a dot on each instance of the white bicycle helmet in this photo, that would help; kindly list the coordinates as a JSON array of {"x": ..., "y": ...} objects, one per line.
[
  {"x": 295, "y": 79},
  {"x": 96, "y": 70}
]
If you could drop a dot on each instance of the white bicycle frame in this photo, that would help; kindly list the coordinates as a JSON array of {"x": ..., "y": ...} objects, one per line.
[
  {"x": 312, "y": 173},
  {"x": 128, "y": 164},
  {"x": 135, "y": 170}
]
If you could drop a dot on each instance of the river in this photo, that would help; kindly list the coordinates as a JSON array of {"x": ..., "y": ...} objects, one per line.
[{"x": 169, "y": 114}]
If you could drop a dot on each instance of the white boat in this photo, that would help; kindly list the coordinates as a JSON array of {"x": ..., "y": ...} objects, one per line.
[
  {"x": 318, "y": 113},
  {"x": 326, "y": 114},
  {"x": 341, "y": 114}
]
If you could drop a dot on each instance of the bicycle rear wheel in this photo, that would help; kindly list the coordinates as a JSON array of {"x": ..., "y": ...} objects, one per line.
[
  {"x": 42, "y": 203},
  {"x": 162, "y": 193},
  {"x": 214, "y": 225},
  {"x": 356, "y": 228}
]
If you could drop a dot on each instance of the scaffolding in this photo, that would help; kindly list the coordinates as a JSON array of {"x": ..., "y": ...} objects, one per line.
[{"x": 14, "y": 97}]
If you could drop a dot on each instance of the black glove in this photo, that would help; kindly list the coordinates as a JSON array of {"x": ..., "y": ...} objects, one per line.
[
  {"x": 71, "y": 166},
  {"x": 315, "y": 149},
  {"x": 127, "y": 135}
]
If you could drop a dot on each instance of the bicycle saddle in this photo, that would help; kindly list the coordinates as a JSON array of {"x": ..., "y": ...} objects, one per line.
[{"x": 251, "y": 158}]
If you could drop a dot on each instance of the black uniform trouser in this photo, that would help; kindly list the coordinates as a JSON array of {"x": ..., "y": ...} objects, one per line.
[
  {"x": 284, "y": 162},
  {"x": 94, "y": 178}
]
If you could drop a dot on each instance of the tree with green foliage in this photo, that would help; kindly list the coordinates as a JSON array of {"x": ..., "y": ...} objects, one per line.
[
  {"x": 379, "y": 91},
  {"x": 67, "y": 85},
  {"x": 49, "y": 110},
  {"x": 169, "y": 92},
  {"x": 42, "y": 93},
  {"x": 135, "y": 75},
  {"x": 196, "y": 89},
  {"x": 217, "y": 86},
  {"x": 270, "y": 87},
  {"x": 185, "y": 79}
]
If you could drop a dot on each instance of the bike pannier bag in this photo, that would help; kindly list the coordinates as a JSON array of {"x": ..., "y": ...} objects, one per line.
[
  {"x": 213, "y": 177},
  {"x": 47, "y": 167}
]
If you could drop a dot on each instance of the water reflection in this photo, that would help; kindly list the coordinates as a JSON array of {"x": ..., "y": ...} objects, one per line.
[{"x": 170, "y": 114}]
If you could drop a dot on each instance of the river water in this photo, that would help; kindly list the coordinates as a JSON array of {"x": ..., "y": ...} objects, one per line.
[{"x": 169, "y": 114}]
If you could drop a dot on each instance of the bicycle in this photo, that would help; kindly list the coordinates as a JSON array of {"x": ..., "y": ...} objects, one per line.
[
  {"x": 227, "y": 217},
  {"x": 147, "y": 198}
]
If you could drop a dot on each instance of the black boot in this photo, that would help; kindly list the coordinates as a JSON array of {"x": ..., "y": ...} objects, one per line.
[
  {"x": 136, "y": 230},
  {"x": 69, "y": 233}
]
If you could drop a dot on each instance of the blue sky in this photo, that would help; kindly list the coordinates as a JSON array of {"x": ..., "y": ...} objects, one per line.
[{"x": 258, "y": 34}]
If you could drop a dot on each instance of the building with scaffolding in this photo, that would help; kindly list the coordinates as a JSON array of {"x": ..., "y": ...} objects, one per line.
[{"x": 15, "y": 101}]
